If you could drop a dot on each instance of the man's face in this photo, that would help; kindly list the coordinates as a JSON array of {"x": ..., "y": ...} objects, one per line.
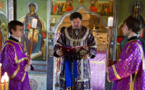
[
  {"x": 126, "y": 31},
  {"x": 76, "y": 23},
  {"x": 19, "y": 31}
]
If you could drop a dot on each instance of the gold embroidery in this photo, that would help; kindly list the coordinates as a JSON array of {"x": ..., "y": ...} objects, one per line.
[
  {"x": 16, "y": 59},
  {"x": 13, "y": 41},
  {"x": 7, "y": 44},
  {"x": 132, "y": 81},
  {"x": 20, "y": 48},
  {"x": 93, "y": 46},
  {"x": 108, "y": 77},
  {"x": 77, "y": 40},
  {"x": 17, "y": 43},
  {"x": 135, "y": 76},
  {"x": 97, "y": 62},
  {"x": 22, "y": 59},
  {"x": 127, "y": 48},
  {"x": 23, "y": 77},
  {"x": 143, "y": 60},
  {"x": 15, "y": 73},
  {"x": 133, "y": 40},
  {"x": 115, "y": 72},
  {"x": 58, "y": 44}
]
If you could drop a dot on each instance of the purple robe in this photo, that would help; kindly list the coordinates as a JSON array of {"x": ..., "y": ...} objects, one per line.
[
  {"x": 129, "y": 72},
  {"x": 13, "y": 58},
  {"x": 72, "y": 37}
]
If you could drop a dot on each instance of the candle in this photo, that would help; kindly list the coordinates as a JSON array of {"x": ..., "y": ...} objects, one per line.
[
  {"x": 97, "y": 35},
  {"x": 2, "y": 85},
  {"x": 34, "y": 23},
  {"x": 110, "y": 21},
  {"x": 103, "y": 42},
  {"x": 94, "y": 27},
  {"x": 101, "y": 38},
  {"x": 6, "y": 79}
]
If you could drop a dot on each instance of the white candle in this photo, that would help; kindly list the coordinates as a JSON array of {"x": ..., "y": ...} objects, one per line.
[
  {"x": 34, "y": 23},
  {"x": 6, "y": 79},
  {"x": 110, "y": 21}
]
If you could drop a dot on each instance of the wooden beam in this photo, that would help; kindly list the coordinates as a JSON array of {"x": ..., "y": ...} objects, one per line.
[{"x": 15, "y": 9}]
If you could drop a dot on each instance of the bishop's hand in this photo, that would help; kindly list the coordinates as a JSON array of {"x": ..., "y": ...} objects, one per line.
[
  {"x": 59, "y": 52},
  {"x": 109, "y": 62},
  {"x": 27, "y": 67},
  {"x": 86, "y": 57},
  {"x": 28, "y": 61}
]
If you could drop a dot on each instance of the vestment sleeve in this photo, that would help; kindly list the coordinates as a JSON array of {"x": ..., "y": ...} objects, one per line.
[
  {"x": 92, "y": 44},
  {"x": 128, "y": 66}
]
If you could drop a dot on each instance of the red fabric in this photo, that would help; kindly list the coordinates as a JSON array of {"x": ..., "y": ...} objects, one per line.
[
  {"x": 119, "y": 39},
  {"x": 44, "y": 35},
  {"x": 142, "y": 34}
]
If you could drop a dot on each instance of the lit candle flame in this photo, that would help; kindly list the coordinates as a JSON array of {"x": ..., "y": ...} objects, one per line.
[
  {"x": 0, "y": 64},
  {"x": 6, "y": 78},
  {"x": 2, "y": 80}
]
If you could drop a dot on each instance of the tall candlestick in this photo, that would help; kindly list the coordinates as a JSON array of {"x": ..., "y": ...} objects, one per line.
[
  {"x": 34, "y": 23},
  {"x": 6, "y": 85},
  {"x": 110, "y": 21},
  {"x": 0, "y": 71},
  {"x": 2, "y": 85},
  {"x": 109, "y": 41},
  {"x": 6, "y": 79}
]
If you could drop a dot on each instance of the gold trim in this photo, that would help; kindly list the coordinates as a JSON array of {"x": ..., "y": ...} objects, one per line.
[
  {"x": 143, "y": 60},
  {"x": 20, "y": 48},
  {"x": 135, "y": 76},
  {"x": 127, "y": 48},
  {"x": 132, "y": 81},
  {"x": 58, "y": 44},
  {"x": 76, "y": 40},
  {"x": 98, "y": 62},
  {"x": 93, "y": 46},
  {"x": 8, "y": 44},
  {"x": 16, "y": 59},
  {"x": 23, "y": 77},
  {"x": 15, "y": 73},
  {"x": 142, "y": 57},
  {"x": 17, "y": 43},
  {"x": 13, "y": 41},
  {"x": 133, "y": 40},
  {"x": 108, "y": 77},
  {"x": 22, "y": 59},
  {"x": 115, "y": 72}
]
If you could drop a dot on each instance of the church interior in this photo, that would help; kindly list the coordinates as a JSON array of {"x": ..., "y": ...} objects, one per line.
[{"x": 52, "y": 15}]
